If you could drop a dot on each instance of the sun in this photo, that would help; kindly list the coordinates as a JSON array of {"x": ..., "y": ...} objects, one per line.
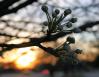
[{"x": 27, "y": 60}]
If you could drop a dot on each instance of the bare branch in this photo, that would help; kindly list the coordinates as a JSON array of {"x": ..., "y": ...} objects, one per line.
[
  {"x": 35, "y": 41},
  {"x": 88, "y": 25},
  {"x": 4, "y": 8}
]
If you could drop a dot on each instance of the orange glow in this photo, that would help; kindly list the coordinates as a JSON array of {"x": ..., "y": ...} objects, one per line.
[
  {"x": 27, "y": 58},
  {"x": 23, "y": 58},
  {"x": 24, "y": 62}
]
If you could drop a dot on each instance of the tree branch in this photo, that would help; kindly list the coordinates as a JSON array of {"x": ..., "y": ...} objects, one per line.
[
  {"x": 35, "y": 41},
  {"x": 4, "y": 8},
  {"x": 88, "y": 25}
]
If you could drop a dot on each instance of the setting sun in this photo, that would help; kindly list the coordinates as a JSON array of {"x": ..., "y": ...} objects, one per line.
[{"x": 26, "y": 60}]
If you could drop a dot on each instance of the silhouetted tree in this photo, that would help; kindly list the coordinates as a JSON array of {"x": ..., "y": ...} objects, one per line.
[{"x": 6, "y": 4}]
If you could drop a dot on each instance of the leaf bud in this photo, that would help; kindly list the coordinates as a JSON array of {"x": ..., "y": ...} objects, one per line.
[
  {"x": 44, "y": 8},
  {"x": 73, "y": 20},
  {"x": 76, "y": 30},
  {"x": 57, "y": 11},
  {"x": 67, "y": 11},
  {"x": 78, "y": 51},
  {"x": 71, "y": 39},
  {"x": 69, "y": 24}
]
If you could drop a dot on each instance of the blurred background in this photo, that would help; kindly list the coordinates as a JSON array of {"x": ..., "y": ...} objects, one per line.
[{"x": 22, "y": 19}]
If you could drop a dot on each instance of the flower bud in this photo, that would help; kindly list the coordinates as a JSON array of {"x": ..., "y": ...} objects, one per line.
[
  {"x": 73, "y": 20},
  {"x": 44, "y": 8},
  {"x": 57, "y": 11},
  {"x": 67, "y": 11},
  {"x": 76, "y": 30},
  {"x": 78, "y": 51},
  {"x": 69, "y": 24},
  {"x": 71, "y": 39}
]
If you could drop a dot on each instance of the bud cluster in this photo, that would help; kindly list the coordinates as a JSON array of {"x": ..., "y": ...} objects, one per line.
[
  {"x": 55, "y": 19},
  {"x": 54, "y": 24}
]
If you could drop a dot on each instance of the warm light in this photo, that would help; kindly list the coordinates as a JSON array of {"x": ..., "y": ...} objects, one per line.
[
  {"x": 23, "y": 58},
  {"x": 26, "y": 58},
  {"x": 26, "y": 61}
]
